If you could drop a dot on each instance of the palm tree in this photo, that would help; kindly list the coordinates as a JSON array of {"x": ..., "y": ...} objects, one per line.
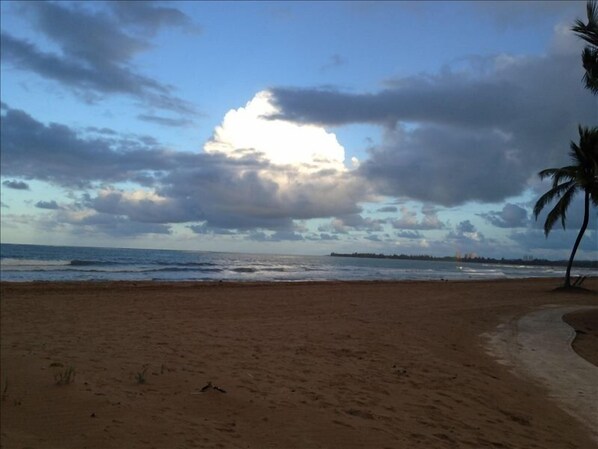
[
  {"x": 582, "y": 176},
  {"x": 589, "y": 33}
]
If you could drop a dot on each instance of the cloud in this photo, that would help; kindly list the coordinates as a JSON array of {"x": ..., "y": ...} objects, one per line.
[
  {"x": 465, "y": 227},
  {"x": 334, "y": 62},
  {"x": 150, "y": 17},
  {"x": 246, "y": 131},
  {"x": 388, "y": 209},
  {"x": 510, "y": 15},
  {"x": 91, "y": 223},
  {"x": 96, "y": 51},
  {"x": 444, "y": 165},
  {"x": 466, "y": 235},
  {"x": 409, "y": 234},
  {"x": 52, "y": 205},
  {"x": 373, "y": 238},
  {"x": 203, "y": 229},
  {"x": 473, "y": 132},
  {"x": 559, "y": 243},
  {"x": 243, "y": 182},
  {"x": 14, "y": 184},
  {"x": 277, "y": 236},
  {"x": 511, "y": 216},
  {"x": 409, "y": 220},
  {"x": 59, "y": 154},
  {"x": 270, "y": 172},
  {"x": 323, "y": 236},
  {"x": 165, "y": 121},
  {"x": 345, "y": 223},
  {"x": 142, "y": 206}
]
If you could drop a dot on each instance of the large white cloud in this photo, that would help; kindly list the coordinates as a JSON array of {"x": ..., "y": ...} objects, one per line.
[
  {"x": 270, "y": 171},
  {"x": 247, "y": 130}
]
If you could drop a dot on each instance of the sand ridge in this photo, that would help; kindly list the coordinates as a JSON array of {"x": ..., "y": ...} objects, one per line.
[{"x": 304, "y": 365}]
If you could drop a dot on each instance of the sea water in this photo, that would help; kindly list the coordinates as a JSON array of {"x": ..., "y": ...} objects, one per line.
[{"x": 67, "y": 263}]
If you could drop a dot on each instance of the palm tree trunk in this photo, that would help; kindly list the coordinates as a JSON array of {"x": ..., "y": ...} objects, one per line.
[{"x": 584, "y": 225}]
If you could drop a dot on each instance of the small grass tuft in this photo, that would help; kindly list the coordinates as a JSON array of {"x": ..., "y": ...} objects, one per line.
[
  {"x": 140, "y": 377},
  {"x": 65, "y": 377},
  {"x": 5, "y": 389}
]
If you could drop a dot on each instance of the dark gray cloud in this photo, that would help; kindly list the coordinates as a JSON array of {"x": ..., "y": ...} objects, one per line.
[
  {"x": 409, "y": 234},
  {"x": 143, "y": 208},
  {"x": 444, "y": 165},
  {"x": 511, "y": 216},
  {"x": 236, "y": 194},
  {"x": 58, "y": 154},
  {"x": 476, "y": 132},
  {"x": 111, "y": 225},
  {"x": 52, "y": 205},
  {"x": 17, "y": 185},
  {"x": 409, "y": 220},
  {"x": 465, "y": 238},
  {"x": 96, "y": 51},
  {"x": 446, "y": 99},
  {"x": 323, "y": 236},
  {"x": 204, "y": 229},
  {"x": 278, "y": 236},
  {"x": 558, "y": 240},
  {"x": 342, "y": 224},
  {"x": 165, "y": 121},
  {"x": 465, "y": 227},
  {"x": 151, "y": 16}
]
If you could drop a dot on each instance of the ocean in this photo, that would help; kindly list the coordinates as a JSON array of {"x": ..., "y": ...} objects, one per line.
[{"x": 20, "y": 263}]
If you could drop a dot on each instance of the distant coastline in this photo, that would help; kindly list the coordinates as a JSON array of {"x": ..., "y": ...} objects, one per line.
[{"x": 474, "y": 259}]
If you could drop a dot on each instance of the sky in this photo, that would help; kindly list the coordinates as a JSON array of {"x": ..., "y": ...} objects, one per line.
[{"x": 290, "y": 127}]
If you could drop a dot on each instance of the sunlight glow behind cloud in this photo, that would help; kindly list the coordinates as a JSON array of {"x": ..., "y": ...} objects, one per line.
[{"x": 248, "y": 130}]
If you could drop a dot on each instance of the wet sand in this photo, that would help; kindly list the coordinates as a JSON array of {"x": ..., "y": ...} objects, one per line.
[{"x": 302, "y": 365}]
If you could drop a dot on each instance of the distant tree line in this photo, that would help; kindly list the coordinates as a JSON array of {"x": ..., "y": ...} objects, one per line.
[{"x": 475, "y": 259}]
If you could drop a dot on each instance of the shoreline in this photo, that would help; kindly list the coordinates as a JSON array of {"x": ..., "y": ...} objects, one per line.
[
  {"x": 557, "y": 281},
  {"x": 303, "y": 364}
]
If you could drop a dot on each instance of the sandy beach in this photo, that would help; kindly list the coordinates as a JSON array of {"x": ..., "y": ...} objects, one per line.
[{"x": 278, "y": 365}]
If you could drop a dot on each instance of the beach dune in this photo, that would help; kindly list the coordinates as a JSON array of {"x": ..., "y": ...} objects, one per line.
[{"x": 276, "y": 365}]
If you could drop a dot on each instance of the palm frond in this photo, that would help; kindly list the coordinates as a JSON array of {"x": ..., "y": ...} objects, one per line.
[
  {"x": 585, "y": 156},
  {"x": 548, "y": 172},
  {"x": 589, "y": 61},
  {"x": 548, "y": 197},
  {"x": 565, "y": 173},
  {"x": 588, "y": 32},
  {"x": 566, "y": 181},
  {"x": 558, "y": 174},
  {"x": 559, "y": 210}
]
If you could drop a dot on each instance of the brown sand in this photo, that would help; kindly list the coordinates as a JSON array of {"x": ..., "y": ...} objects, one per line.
[
  {"x": 586, "y": 328},
  {"x": 315, "y": 365}
]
